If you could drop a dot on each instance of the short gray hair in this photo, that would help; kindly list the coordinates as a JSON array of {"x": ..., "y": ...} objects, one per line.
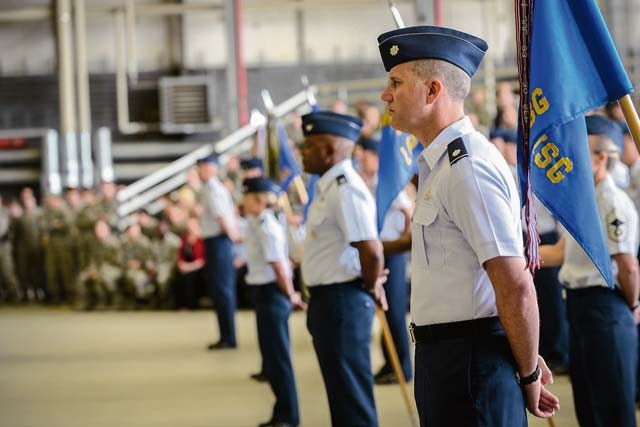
[
  {"x": 604, "y": 144},
  {"x": 458, "y": 82}
]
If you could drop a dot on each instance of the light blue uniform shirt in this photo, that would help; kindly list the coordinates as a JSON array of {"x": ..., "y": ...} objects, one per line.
[
  {"x": 266, "y": 243},
  {"x": 467, "y": 212},
  {"x": 342, "y": 212},
  {"x": 216, "y": 202},
  {"x": 619, "y": 220}
]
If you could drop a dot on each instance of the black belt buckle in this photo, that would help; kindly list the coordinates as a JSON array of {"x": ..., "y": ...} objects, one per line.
[{"x": 412, "y": 327}]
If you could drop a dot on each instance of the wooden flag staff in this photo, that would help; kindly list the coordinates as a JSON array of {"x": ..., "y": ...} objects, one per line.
[{"x": 631, "y": 117}]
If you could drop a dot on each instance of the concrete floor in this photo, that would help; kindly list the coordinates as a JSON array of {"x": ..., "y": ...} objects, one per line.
[{"x": 62, "y": 368}]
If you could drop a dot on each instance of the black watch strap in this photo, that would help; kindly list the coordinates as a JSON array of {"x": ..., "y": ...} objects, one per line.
[{"x": 530, "y": 379}]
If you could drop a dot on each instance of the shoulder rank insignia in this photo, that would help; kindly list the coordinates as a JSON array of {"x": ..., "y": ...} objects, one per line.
[
  {"x": 341, "y": 179},
  {"x": 457, "y": 151},
  {"x": 616, "y": 226}
]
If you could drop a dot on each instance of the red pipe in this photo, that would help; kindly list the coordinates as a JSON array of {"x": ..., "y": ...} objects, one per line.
[
  {"x": 241, "y": 76},
  {"x": 438, "y": 10}
]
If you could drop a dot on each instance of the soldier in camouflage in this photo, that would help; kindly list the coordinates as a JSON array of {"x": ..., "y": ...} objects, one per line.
[
  {"x": 85, "y": 222},
  {"x": 137, "y": 286},
  {"x": 8, "y": 281},
  {"x": 97, "y": 283},
  {"x": 28, "y": 252},
  {"x": 165, "y": 251},
  {"x": 55, "y": 226}
]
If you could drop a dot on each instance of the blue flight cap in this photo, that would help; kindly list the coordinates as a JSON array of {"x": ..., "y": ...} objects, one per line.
[
  {"x": 251, "y": 163},
  {"x": 428, "y": 42},
  {"x": 506, "y": 134},
  {"x": 600, "y": 125},
  {"x": 212, "y": 158},
  {"x": 332, "y": 123},
  {"x": 369, "y": 144},
  {"x": 259, "y": 185}
]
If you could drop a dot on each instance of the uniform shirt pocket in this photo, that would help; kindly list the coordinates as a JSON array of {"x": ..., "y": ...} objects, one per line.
[{"x": 426, "y": 234}]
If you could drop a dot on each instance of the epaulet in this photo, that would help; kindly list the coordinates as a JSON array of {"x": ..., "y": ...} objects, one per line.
[
  {"x": 457, "y": 151},
  {"x": 341, "y": 179}
]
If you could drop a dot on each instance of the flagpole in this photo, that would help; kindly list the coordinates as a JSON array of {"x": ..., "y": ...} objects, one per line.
[
  {"x": 301, "y": 189},
  {"x": 395, "y": 362},
  {"x": 396, "y": 14},
  {"x": 631, "y": 117}
]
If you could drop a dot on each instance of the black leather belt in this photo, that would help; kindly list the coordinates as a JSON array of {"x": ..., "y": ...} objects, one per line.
[
  {"x": 591, "y": 290},
  {"x": 319, "y": 289},
  {"x": 453, "y": 330}
]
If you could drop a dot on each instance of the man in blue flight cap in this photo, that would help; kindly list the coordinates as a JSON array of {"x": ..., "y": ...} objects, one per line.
[
  {"x": 603, "y": 336},
  {"x": 473, "y": 303},
  {"x": 342, "y": 267},
  {"x": 252, "y": 167},
  {"x": 219, "y": 231},
  {"x": 397, "y": 222}
]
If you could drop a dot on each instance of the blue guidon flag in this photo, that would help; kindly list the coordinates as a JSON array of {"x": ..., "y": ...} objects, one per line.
[
  {"x": 311, "y": 184},
  {"x": 568, "y": 65},
  {"x": 289, "y": 167},
  {"x": 398, "y": 153}
]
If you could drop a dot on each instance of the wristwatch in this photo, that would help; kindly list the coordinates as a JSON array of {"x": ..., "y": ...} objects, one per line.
[{"x": 530, "y": 379}]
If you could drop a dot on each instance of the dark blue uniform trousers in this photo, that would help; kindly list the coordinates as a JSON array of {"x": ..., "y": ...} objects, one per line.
[
  {"x": 603, "y": 353},
  {"x": 398, "y": 298},
  {"x": 468, "y": 382},
  {"x": 222, "y": 284},
  {"x": 554, "y": 329},
  {"x": 272, "y": 315},
  {"x": 339, "y": 319}
]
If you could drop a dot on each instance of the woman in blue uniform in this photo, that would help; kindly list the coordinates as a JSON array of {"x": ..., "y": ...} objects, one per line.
[{"x": 269, "y": 271}]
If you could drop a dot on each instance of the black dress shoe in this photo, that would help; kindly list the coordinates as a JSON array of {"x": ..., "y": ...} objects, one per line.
[
  {"x": 220, "y": 345},
  {"x": 259, "y": 376},
  {"x": 385, "y": 379},
  {"x": 275, "y": 424}
]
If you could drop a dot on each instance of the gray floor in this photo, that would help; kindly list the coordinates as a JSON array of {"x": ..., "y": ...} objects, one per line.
[{"x": 62, "y": 368}]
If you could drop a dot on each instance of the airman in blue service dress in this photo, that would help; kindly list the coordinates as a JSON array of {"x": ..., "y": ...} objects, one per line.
[
  {"x": 466, "y": 245},
  {"x": 341, "y": 220},
  {"x": 603, "y": 340},
  {"x": 396, "y": 288},
  {"x": 269, "y": 273},
  {"x": 218, "y": 225}
]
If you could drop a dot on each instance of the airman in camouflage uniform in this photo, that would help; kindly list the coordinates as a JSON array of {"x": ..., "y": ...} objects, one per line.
[
  {"x": 165, "y": 252},
  {"x": 149, "y": 225},
  {"x": 74, "y": 205},
  {"x": 85, "y": 222},
  {"x": 58, "y": 263},
  {"x": 8, "y": 280},
  {"x": 97, "y": 283},
  {"x": 27, "y": 249},
  {"x": 137, "y": 285},
  {"x": 108, "y": 205}
]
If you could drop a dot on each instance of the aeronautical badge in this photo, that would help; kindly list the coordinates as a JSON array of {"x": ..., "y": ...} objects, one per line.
[
  {"x": 394, "y": 50},
  {"x": 341, "y": 180},
  {"x": 457, "y": 151},
  {"x": 617, "y": 228}
]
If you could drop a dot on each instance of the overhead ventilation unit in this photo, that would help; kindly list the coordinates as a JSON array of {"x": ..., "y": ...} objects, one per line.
[{"x": 186, "y": 105}]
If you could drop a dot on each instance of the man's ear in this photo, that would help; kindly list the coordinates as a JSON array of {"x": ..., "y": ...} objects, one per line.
[
  {"x": 434, "y": 89},
  {"x": 328, "y": 149}
]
